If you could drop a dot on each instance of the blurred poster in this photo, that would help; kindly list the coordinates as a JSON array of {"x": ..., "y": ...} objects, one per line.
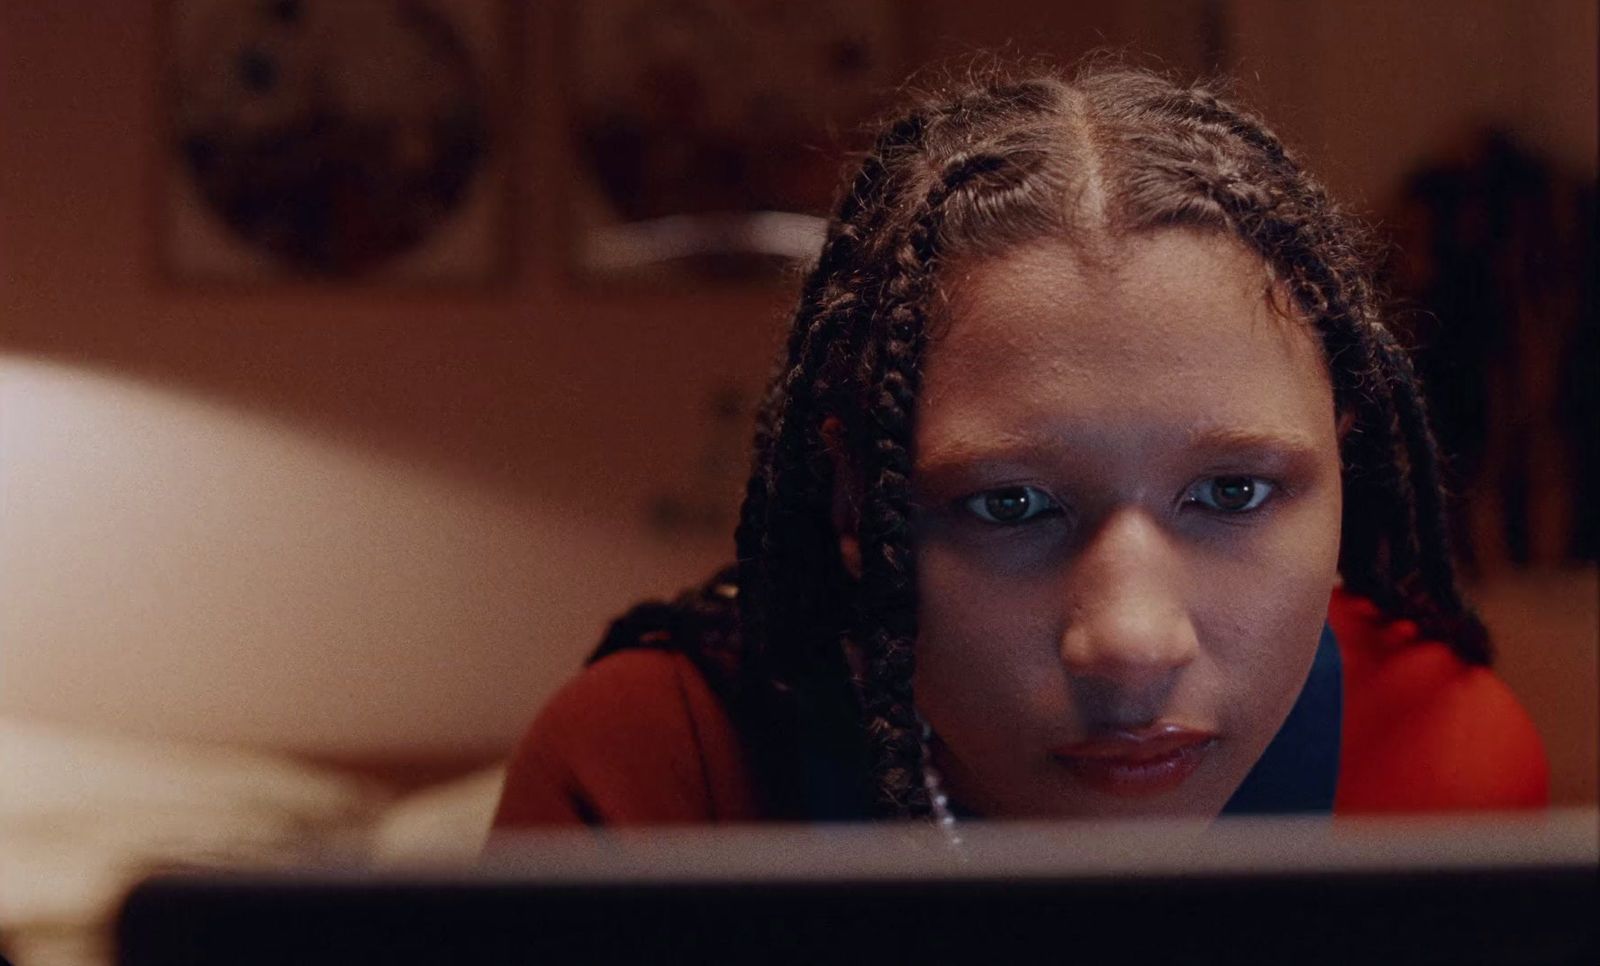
[
  {"x": 335, "y": 140},
  {"x": 709, "y": 135}
]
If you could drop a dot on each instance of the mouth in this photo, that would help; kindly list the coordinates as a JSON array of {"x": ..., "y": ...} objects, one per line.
[{"x": 1139, "y": 762}]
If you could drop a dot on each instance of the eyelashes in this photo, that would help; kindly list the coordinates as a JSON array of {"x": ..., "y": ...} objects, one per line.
[
  {"x": 1011, "y": 505},
  {"x": 1232, "y": 495}
]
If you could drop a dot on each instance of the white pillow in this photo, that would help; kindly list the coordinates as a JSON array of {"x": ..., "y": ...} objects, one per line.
[
  {"x": 83, "y": 816},
  {"x": 445, "y": 823}
]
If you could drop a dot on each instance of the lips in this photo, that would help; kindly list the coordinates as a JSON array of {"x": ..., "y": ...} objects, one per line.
[{"x": 1139, "y": 762}]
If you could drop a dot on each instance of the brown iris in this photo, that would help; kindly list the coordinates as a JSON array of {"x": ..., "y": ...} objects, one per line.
[
  {"x": 1008, "y": 505},
  {"x": 1232, "y": 493}
]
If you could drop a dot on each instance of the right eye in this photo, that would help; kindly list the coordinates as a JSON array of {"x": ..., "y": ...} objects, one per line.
[{"x": 1011, "y": 505}]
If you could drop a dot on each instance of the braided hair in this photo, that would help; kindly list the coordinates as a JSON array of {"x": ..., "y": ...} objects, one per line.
[{"x": 969, "y": 173}]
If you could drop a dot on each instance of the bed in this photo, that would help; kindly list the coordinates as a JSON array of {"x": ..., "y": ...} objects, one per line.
[{"x": 85, "y": 815}]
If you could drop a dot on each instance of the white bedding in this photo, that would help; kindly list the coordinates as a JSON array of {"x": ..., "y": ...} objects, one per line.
[{"x": 83, "y": 816}]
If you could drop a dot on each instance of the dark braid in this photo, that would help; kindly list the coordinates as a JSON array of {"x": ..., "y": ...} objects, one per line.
[
  {"x": 1443, "y": 613},
  {"x": 828, "y": 304},
  {"x": 971, "y": 174},
  {"x": 888, "y": 575}
]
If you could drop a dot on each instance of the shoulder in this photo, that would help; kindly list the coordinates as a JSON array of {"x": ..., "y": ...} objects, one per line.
[
  {"x": 1423, "y": 730},
  {"x": 638, "y": 737}
]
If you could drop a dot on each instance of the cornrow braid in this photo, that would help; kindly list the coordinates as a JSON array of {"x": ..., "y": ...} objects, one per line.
[
  {"x": 888, "y": 572},
  {"x": 825, "y": 317},
  {"x": 1439, "y": 607}
]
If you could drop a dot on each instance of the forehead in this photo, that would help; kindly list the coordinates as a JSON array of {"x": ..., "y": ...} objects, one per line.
[{"x": 1171, "y": 331}]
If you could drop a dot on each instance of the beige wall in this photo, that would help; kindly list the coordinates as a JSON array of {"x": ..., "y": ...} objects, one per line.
[
  {"x": 356, "y": 521},
  {"x": 1368, "y": 87}
]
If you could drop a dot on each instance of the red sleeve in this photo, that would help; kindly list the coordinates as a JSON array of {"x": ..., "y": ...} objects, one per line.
[
  {"x": 1423, "y": 731},
  {"x": 637, "y": 738}
]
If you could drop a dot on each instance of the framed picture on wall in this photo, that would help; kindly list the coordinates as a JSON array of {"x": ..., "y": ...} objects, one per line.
[
  {"x": 708, "y": 135},
  {"x": 335, "y": 141}
]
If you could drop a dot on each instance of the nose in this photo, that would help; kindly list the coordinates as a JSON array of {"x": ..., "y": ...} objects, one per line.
[{"x": 1127, "y": 619}]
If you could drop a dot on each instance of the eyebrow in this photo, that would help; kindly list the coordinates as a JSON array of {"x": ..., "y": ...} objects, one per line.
[
  {"x": 954, "y": 457},
  {"x": 1020, "y": 447},
  {"x": 1251, "y": 440}
]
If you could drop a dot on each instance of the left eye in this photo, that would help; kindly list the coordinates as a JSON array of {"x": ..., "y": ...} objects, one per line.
[
  {"x": 1011, "y": 505},
  {"x": 1230, "y": 494}
]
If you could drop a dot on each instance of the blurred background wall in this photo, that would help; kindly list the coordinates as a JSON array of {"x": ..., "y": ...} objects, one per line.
[{"x": 390, "y": 518}]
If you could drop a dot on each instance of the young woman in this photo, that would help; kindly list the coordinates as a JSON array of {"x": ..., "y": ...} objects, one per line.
[{"x": 1091, "y": 483}]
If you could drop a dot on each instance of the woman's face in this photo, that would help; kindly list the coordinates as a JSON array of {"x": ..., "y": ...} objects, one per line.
[{"x": 1128, "y": 492}]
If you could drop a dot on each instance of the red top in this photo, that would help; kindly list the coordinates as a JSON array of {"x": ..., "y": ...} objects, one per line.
[
  {"x": 1423, "y": 732},
  {"x": 640, "y": 738}
]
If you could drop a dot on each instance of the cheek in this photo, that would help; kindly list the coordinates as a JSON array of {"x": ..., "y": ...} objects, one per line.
[
  {"x": 1261, "y": 614},
  {"x": 985, "y": 642}
]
